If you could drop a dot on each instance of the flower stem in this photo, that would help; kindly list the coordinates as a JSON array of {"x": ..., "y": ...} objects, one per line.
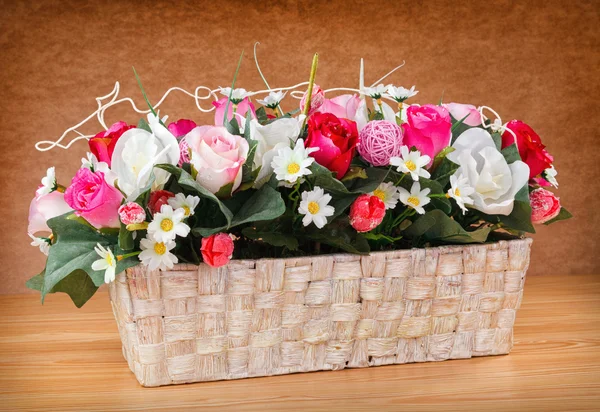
[
  {"x": 128, "y": 255},
  {"x": 311, "y": 82},
  {"x": 400, "y": 180},
  {"x": 438, "y": 195}
]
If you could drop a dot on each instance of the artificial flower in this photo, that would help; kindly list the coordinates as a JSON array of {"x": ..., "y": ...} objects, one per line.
[
  {"x": 530, "y": 147},
  {"x": 315, "y": 207},
  {"x": 48, "y": 183},
  {"x": 460, "y": 191},
  {"x": 45, "y": 208},
  {"x": 550, "y": 175},
  {"x": 240, "y": 109},
  {"x": 187, "y": 203},
  {"x": 336, "y": 140},
  {"x": 495, "y": 181},
  {"x": 361, "y": 116},
  {"x": 131, "y": 213},
  {"x": 411, "y": 162},
  {"x": 270, "y": 139},
  {"x": 366, "y": 213},
  {"x": 103, "y": 144},
  {"x": 468, "y": 112},
  {"x": 107, "y": 263},
  {"x": 291, "y": 164},
  {"x": 388, "y": 193},
  {"x": 344, "y": 106},
  {"x": 167, "y": 224},
  {"x": 40, "y": 242},
  {"x": 236, "y": 96},
  {"x": 94, "y": 199},
  {"x": 273, "y": 99},
  {"x": 157, "y": 199},
  {"x": 400, "y": 93},
  {"x": 416, "y": 198},
  {"x": 181, "y": 127},
  {"x": 545, "y": 205},
  {"x": 157, "y": 255},
  {"x": 218, "y": 156},
  {"x": 316, "y": 101},
  {"x": 217, "y": 249},
  {"x": 138, "y": 151},
  {"x": 428, "y": 128},
  {"x": 92, "y": 163},
  {"x": 375, "y": 92}
]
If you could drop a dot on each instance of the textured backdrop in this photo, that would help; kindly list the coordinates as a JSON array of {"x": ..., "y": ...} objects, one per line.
[{"x": 536, "y": 61}]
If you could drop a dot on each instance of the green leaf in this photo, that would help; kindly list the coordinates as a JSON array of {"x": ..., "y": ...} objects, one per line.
[
  {"x": 232, "y": 86},
  {"x": 125, "y": 238},
  {"x": 511, "y": 153},
  {"x": 323, "y": 178},
  {"x": 562, "y": 215},
  {"x": 458, "y": 127},
  {"x": 272, "y": 238},
  {"x": 380, "y": 236},
  {"x": 497, "y": 138},
  {"x": 261, "y": 115},
  {"x": 225, "y": 191},
  {"x": 341, "y": 235},
  {"x": 186, "y": 181},
  {"x": 355, "y": 173},
  {"x": 78, "y": 285},
  {"x": 143, "y": 124},
  {"x": 232, "y": 126},
  {"x": 443, "y": 171},
  {"x": 520, "y": 217},
  {"x": 144, "y": 92},
  {"x": 441, "y": 156},
  {"x": 436, "y": 226},
  {"x": 375, "y": 176}
]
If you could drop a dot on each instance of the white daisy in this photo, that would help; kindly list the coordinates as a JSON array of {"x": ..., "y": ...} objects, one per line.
[
  {"x": 188, "y": 204},
  {"x": 388, "y": 193},
  {"x": 272, "y": 100},
  {"x": 550, "y": 175},
  {"x": 48, "y": 183},
  {"x": 107, "y": 263},
  {"x": 289, "y": 165},
  {"x": 89, "y": 162},
  {"x": 167, "y": 224},
  {"x": 400, "y": 93},
  {"x": 411, "y": 162},
  {"x": 460, "y": 191},
  {"x": 237, "y": 96},
  {"x": 416, "y": 198},
  {"x": 375, "y": 92},
  {"x": 315, "y": 207},
  {"x": 41, "y": 242},
  {"x": 157, "y": 255}
]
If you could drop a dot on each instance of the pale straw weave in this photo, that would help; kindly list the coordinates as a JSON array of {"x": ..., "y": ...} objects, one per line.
[{"x": 277, "y": 316}]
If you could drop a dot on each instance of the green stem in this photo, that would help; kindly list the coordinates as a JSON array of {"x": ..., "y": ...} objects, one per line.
[
  {"x": 311, "y": 82},
  {"x": 438, "y": 195},
  {"x": 400, "y": 180},
  {"x": 128, "y": 255}
]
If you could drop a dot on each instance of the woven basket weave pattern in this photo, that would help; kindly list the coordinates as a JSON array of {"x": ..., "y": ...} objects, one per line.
[{"x": 277, "y": 316}]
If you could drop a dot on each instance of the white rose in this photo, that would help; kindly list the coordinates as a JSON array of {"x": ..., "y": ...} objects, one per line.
[
  {"x": 495, "y": 182},
  {"x": 136, "y": 153}
]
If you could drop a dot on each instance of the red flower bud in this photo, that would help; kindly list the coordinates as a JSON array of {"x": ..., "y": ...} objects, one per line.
[
  {"x": 366, "y": 213},
  {"x": 217, "y": 249}
]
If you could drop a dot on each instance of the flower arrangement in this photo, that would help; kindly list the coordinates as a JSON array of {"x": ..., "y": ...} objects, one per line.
[{"x": 347, "y": 173}]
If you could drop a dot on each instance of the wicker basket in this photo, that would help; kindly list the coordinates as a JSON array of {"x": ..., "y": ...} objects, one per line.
[{"x": 276, "y": 316}]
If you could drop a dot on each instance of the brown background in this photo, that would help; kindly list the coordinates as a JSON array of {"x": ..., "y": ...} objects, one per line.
[{"x": 536, "y": 61}]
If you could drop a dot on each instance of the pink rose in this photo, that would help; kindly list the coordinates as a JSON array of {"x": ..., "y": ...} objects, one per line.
[
  {"x": 218, "y": 156},
  {"x": 344, "y": 106},
  {"x": 45, "y": 208},
  {"x": 242, "y": 109},
  {"x": 94, "y": 199},
  {"x": 545, "y": 206},
  {"x": 316, "y": 101},
  {"x": 103, "y": 144},
  {"x": 131, "y": 213},
  {"x": 366, "y": 213},
  {"x": 158, "y": 199},
  {"x": 182, "y": 127},
  {"x": 458, "y": 111},
  {"x": 428, "y": 128},
  {"x": 217, "y": 249}
]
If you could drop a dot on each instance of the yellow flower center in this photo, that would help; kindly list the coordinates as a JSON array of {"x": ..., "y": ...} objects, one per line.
[
  {"x": 166, "y": 225},
  {"x": 313, "y": 208},
  {"x": 413, "y": 200},
  {"x": 380, "y": 194},
  {"x": 160, "y": 248},
  {"x": 186, "y": 210},
  {"x": 410, "y": 165},
  {"x": 293, "y": 168},
  {"x": 457, "y": 192},
  {"x": 109, "y": 260}
]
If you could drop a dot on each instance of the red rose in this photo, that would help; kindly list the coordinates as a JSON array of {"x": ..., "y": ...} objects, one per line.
[
  {"x": 545, "y": 205},
  {"x": 103, "y": 144},
  {"x": 530, "y": 147},
  {"x": 336, "y": 139},
  {"x": 157, "y": 199},
  {"x": 366, "y": 213},
  {"x": 217, "y": 249}
]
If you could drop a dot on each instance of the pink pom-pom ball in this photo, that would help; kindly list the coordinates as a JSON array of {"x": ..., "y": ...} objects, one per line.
[
  {"x": 379, "y": 141},
  {"x": 184, "y": 152}
]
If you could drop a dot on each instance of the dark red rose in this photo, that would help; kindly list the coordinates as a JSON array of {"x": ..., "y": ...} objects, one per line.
[
  {"x": 530, "y": 146},
  {"x": 157, "y": 199},
  {"x": 103, "y": 144}
]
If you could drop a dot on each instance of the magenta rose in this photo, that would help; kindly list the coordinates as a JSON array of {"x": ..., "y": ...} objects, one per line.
[
  {"x": 459, "y": 111},
  {"x": 344, "y": 106},
  {"x": 94, "y": 199},
  {"x": 242, "y": 109},
  {"x": 181, "y": 127},
  {"x": 428, "y": 128},
  {"x": 545, "y": 206}
]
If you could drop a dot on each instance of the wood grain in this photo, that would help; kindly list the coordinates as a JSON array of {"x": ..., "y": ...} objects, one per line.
[{"x": 55, "y": 357}]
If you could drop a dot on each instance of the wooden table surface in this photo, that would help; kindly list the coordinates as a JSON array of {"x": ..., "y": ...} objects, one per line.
[{"x": 56, "y": 357}]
